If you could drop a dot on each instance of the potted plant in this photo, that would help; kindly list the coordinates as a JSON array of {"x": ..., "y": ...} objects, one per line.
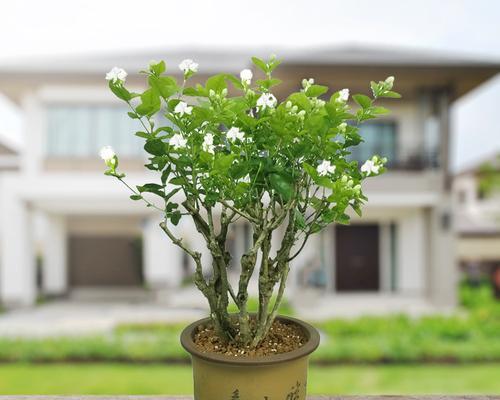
[{"x": 282, "y": 166}]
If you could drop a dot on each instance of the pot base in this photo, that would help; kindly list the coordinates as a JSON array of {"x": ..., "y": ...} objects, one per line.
[{"x": 284, "y": 381}]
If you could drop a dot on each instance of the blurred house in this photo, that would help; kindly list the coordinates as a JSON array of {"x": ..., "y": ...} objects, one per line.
[
  {"x": 86, "y": 233},
  {"x": 476, "y": 192},
  {"x": 9, "y": 154}
]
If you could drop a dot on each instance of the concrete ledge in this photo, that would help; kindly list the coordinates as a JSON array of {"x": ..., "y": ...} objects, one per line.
[{"x": 483, "y": 397}]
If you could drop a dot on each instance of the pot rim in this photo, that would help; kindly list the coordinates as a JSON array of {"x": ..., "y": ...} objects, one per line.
[{"x": 311, "y": 345}]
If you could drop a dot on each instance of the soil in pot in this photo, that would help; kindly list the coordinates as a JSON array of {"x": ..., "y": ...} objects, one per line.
[{"x": 283, "y": 337}]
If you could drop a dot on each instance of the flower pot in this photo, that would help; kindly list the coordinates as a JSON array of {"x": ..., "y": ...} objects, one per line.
[{"x": 276, "y": 377}]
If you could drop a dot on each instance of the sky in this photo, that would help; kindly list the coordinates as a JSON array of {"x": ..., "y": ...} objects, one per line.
[{"x": 62, "y": 27}]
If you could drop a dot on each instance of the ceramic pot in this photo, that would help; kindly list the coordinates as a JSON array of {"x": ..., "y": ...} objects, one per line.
[{"x": 276, "y": 377}]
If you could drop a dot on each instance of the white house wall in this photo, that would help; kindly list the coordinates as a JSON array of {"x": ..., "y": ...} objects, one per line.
[
  {"x": 17, "y": 263},
  {"x": 55, "y": 256},
  {"x": 411, "y": 252}
]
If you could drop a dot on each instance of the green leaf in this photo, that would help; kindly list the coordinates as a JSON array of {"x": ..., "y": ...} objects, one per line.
[
  {"x": 150, "y": 102},
  {"x": 178, "y": 180},
  {"x": 155, "y": 147},
  {"x": 171, "y": 207},
  {"x": 235, "y": 81},
  {"x": 175, "y": 217},
  {"x": 380, "y": 110},
  {"x": 119, "y": 90},
  {"x": 144, "y": 135},
  {"x": 301, "y": 100},
  {"x": 216, "y": 83},
  {"x": 149, "y": 187},
  {"x": 343, "y": 219},
  {"x": 316, "y": 90},
  {"x": 260, "y": 64},
  {"x": 283, "y": 184},
  {"x": 165, "y": 174},
  {"x": 391, "y": 94},
  {"x": 268, "y": 83},
  {"x": 300, "y": 221},
  {"x": 223, "y": 163},
  {"x": 136, "y": 197},
  {"x": 362, "y": 100},
  {"x": 158, "y": 68},
  {"x": 165, "y": 85}
]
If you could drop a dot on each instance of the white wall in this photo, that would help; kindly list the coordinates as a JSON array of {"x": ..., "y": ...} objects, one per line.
[
  {"x": 17, "y": 261},
  {"x": 411, "y": 252},
  {"x": 55, "y": 255},
  {"x": 162, "y": 259}
]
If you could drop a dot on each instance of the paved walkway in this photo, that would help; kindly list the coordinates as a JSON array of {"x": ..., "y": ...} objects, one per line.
[
  {"x": 90, "y": 312},
  {"x": 317, "y": 306},
  {"x": 66, "y": 318}
]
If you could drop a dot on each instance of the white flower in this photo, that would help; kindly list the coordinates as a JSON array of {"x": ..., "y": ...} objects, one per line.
[
  {"x": 246, "y": 179},
  {"x": 307, "y": 83},
  {"x": 235, "y": 133},
  {"x": 342, "y": 127},
  {"x": 266, "y": 100},
  {"x": 107, "y": 153},
  {"x": 188, "y": 65},
  {"x": 246, "y": 76},
  {"x": 177, "y": 141},
  {"x": 208, "y": 143},
  {"x": 370, "y": 167},
  {"x": 325, "y": 168},
  {"x": 182, "y": 108},
  {"x": 343, "y": 95},
  {"x": 116, "y": 74},
  {"x": 389, "y": 82}
]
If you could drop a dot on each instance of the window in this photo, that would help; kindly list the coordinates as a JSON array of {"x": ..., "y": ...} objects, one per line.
[
  {"x": 379, "y": 138},
  {"x": 81, "y": 130}
]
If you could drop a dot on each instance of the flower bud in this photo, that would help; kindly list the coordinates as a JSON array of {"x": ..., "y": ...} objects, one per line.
[
  {"x": 288, "y": 104},
  {"x": 389, "y": 82},
  {"x": 224, "y": 92},
  {"x": 211, "y": 93}
]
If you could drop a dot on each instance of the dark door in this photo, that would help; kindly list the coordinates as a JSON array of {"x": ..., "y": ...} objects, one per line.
[
  {"x": 104, "y": 261},
  {"x": 357, "y": 258}
]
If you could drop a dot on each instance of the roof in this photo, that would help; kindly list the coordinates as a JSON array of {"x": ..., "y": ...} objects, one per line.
[
  {"x": 217, "y": 59},
  {"x": 393, "y": 56},
  {"x": 461, "y": 73}
]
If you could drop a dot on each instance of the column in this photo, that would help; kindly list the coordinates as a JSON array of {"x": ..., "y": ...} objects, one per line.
[
  {"x": 17, "y": 261},
  {"x": 443, "y": 271},
  {"x": 162, "y": 259},
  {"x": 411, "y": 253},
  {"x": 55, "y": 256}
]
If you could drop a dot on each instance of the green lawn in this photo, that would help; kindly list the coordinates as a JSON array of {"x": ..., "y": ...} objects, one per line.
[{"x": 105, "y": 378}]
